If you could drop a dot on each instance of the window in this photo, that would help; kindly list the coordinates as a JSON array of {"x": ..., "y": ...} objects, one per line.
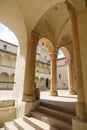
[{"x": 5, "y": 46}]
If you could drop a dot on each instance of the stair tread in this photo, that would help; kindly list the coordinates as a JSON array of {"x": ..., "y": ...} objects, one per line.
[
  {"x": 52, "y": 121},
  {"x": 66, "y": 107},
  {"x": 10, "y": 126},
  {"x": 53, "y": 112},
  {"x": 20, "y": 124},
  {"x": 41, "y": 124}
]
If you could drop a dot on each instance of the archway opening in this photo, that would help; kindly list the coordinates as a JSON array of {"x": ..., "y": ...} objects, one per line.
[
  {"x": 8, "y": 55},
  {"x": 43, "y": 65},
  {"x": 62, "y": 72}
]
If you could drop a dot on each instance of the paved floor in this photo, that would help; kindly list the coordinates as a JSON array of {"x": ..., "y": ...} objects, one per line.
[{"x": 63, "y": 95}]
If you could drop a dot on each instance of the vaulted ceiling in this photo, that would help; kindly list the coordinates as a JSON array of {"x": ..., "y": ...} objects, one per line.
[{"x": 49, "y": 18}]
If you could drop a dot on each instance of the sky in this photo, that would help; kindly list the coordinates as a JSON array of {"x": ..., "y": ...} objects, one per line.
[
  {"x": 60, "y": 54},
  {"x": 7, "y": 35}
]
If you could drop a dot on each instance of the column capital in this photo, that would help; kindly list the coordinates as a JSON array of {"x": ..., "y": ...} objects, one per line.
[{"x": 53, "y": 54}]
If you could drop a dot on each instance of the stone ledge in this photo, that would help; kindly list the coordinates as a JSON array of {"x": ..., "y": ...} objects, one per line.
[
  {"x": 7, "y": 114},
  {"x": 7, "y": 103}
]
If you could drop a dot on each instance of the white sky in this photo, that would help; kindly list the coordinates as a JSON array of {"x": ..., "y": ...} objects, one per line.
[
  {"x": 7, "y": 35},
  {"x": 60, "y": 54}
]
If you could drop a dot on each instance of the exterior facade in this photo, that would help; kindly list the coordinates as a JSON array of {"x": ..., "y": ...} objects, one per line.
[
  {"x": 43, "y": 69},
  {"x": 8, "y": 54},
  {"x": 62, "y": 74}
]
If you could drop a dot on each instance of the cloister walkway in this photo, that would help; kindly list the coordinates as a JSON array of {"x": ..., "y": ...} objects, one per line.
[{"x": 63, "y": 95}]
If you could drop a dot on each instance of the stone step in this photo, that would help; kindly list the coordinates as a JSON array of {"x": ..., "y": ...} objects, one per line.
[
  {"x": 37, "y": 124},
  {"x": 7, "y": 114},
  {"x": 22, "y": 125},
  {"x": 10, "y": 126},
  {"x": 55, "y": 122},
  {"x": 54, "y": 113},
  {"x": 7, "y": 103},
  {"x": 66, "y": 107}
]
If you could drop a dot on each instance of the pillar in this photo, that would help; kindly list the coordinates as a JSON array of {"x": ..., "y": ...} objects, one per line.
[
  {"x": 53, "y": 90},
  {"x": 81, "y": 106},
  {"x": 70, "y": 78},
  {"x": 29, "y": 86}
]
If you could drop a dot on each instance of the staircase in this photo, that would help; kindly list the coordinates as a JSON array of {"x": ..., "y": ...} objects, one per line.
[
  {"x": 57, "y": 114},
  {"x": 49, "y": 115}
]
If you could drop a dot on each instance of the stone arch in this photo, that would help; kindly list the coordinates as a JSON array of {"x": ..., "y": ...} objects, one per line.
[
  {"x": 12, "y": 77},
  {"x": 6, "y": 60},
  {"x": 67, "y": 80},
  {"x": 66, "y": 53},
  {"x": 48, "y": 43},
  {"x": 47, "y": 81},
  {"x": 4, "y": 79},
  {"x": 42, "y": 83},
  {"x": 37, "y": 82}
]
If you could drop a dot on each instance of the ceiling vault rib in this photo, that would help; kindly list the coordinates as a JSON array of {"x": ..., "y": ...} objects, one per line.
[
  {"x": 58, "y": 35},
  {"x": 64, "y": 44}
]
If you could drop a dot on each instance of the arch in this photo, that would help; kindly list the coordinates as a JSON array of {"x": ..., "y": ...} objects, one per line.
[
  {"x": 12, "y": 77},
  {"x": 6, "y": 60},
  {"x": 48, "y": 43},
  {"x": 66, "y": 53},
  {"x": 4, "y": 76},
  {"x": 42, "y": 83},
  {"x": 11, "y": 22},
  {"x": 47, "y": 83},
  {"x": 4, "y": 79},
  {"x": 63, "y": 70},
  {"x": 37, "y": 82}
]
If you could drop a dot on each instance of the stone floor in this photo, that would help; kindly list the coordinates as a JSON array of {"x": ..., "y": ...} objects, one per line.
[{"x": 63, "y": 95}]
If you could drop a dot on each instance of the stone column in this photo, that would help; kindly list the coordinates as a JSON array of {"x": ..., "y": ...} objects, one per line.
[
  {"x": 53, "y": 90},
  {"x": 81, "y": 105},
  {"x": 29, "y": 86},
  {"x": 70, "y": 78}
]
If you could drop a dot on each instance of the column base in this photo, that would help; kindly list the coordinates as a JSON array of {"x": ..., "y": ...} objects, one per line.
[
  {"x": 78, "y": 125},
  {"x": 28, "y": 98},
  {"x": 72, "y": 92},
  {"x": 81, "y": 111},
  {"x": 28, "y": 107},
  {"x": 54, "y": 93}
]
